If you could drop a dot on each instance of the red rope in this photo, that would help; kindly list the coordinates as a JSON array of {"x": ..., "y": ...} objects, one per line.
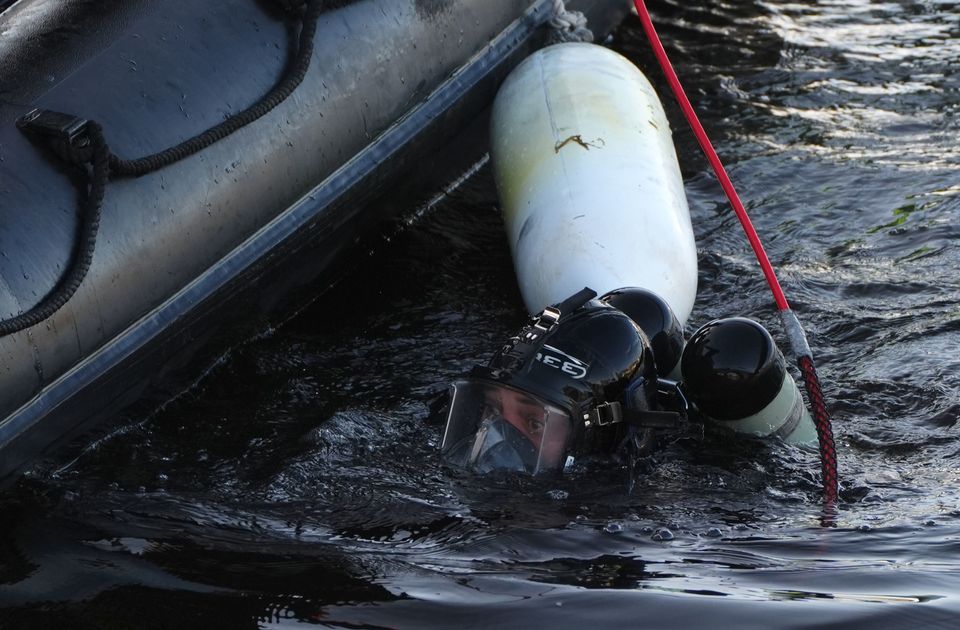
[
  {"x": 711, "y": 154},
  {"x": 828, "y": 454}
]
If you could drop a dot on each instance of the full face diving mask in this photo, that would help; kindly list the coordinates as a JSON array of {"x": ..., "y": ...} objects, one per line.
[{"x": 580, "y": 371}]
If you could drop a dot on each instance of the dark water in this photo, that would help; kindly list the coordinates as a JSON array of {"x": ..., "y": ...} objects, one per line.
[{"x": 298, "y": 481}]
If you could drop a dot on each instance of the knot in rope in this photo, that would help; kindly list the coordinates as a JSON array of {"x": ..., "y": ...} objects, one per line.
[{"x": 568, "y": 26}]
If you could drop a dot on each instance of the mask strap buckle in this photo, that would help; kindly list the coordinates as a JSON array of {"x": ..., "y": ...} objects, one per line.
[
  {"x": 550, "y": 316},
  {"x": 672, "y": 392},
  {"x": 604, "y": 414},
  {"x": 609, "y": 413},
  {"x": 547, "y": 319}
]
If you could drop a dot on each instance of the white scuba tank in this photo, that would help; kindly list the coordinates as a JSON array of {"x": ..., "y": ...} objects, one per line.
[{"x": 589, "y": 184}]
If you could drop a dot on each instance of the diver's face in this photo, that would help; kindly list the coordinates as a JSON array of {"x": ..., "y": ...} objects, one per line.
[
  {"x": 496, "y": 427},
  {"x": 531, "y": 419}
]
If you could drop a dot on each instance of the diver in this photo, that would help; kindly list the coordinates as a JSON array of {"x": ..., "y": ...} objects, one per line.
[{"x": 608, "y": 375}]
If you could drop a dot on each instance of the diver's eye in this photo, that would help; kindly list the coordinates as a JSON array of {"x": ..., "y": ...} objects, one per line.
[{"x": 535, "y": 424}]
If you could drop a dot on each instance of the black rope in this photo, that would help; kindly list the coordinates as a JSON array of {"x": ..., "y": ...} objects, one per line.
[
  {"x": 81, "y": 142},
  {"x": 96, "y": 153},
  {"x": 292, "y": 78},
  {"x": 821, "y": 417}
]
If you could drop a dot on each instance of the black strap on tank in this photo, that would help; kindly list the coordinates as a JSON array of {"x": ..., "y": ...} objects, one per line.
[
  {"x": 576, "y": 300},
  {"x": 81, "y": 143}
]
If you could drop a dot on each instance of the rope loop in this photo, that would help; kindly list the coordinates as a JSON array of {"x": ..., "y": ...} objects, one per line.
[
  {"x": 568, "y": 26},
  {"x": 81, "y": 143},
  {"x": 279, "y": 93},
  {"x": 83, "y": 147}
]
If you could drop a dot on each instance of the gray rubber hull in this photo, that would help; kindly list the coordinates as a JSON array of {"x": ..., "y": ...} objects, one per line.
[{"x": 211, "y": 241}]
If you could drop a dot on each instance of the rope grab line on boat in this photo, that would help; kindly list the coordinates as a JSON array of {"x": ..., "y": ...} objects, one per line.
[
  {"x": 794, "y": 330},
  {"x": 81, "y": 143}
]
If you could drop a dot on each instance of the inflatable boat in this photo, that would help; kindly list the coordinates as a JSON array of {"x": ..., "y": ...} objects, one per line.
[{"x": 235, "y": 225}]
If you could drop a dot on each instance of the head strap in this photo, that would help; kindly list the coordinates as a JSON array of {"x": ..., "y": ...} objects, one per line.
[
  {"x": 613, "y": 412},
  {"x": 519, "y": 349}
]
